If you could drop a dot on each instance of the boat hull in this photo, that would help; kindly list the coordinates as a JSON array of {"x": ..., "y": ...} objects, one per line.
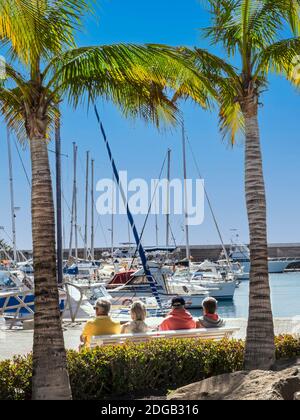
[
  {"x": 192, "y": 301},
  {"x": 275, "y": 267},
  {"x": 220, "y": 291},
  {"x": 12, "y": 305}
]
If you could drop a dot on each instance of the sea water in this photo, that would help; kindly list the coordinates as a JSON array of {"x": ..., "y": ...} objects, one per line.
[{"x": 285, "y": 292}]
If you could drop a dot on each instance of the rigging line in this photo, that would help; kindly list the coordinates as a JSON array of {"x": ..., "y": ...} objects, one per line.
[
  {"x": 99, "y": 222},
  {"x": 153, "y": 197},
  {"x": 22, "y": 163},
  {"x": 79, "y": 227},
  {"x": 172, "y": 233},
  {"x": 81, "y": 165},
  {"x": 99, "y": 219},
  {"x": 209, "y": 203},
  {"x": 70, "y": 212},
  {"x": 150, "y": 208},
  {"x": 102, "y": 229},
  {"x": 147, "y": 271}
]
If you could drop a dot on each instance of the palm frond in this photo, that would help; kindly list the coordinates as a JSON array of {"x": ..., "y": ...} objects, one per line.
[
  {"x": 225, "y": 28},
  {"x": 278, "y": 57},
  {"x": 12, "y": 109},
  {"x": 230, "y": 114},
  {"x": 144, "y": 73},
  {"x": 250, "y": 25},
  {"x": 292, "y": 15},
  {"x": 40, "y": 28}
]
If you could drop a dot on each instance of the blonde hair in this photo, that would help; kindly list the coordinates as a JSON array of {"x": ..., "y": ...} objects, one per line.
[{"x": 138, "y": 311}]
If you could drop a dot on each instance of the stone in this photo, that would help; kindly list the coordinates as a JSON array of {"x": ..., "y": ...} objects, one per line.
[{"x": 256, "y": 385}]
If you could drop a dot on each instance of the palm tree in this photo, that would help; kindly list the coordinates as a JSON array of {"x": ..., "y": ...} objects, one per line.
[
  {"x": 5, "y": 249},
  {"x": 133, "y": 77},
  {"x": 250, "y": 32}
]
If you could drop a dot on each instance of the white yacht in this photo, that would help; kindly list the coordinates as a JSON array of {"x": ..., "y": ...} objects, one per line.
[
  {"x": 241, "y": 254},
  {"x": 219, "y": 281}
]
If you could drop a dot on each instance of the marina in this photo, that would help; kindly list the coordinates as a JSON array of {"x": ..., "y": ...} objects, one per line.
[{"x": 285, "y": 291}]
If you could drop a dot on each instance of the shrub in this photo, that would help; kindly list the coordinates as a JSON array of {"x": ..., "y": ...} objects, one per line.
[
  {"x": 15, "y": 378},
  {"x": 287, "y": 347},
  {"x": 136, "y": 369}
]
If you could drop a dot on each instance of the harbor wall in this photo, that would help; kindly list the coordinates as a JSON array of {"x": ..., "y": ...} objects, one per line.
[
  {"x": 211, "y": 252},
  {"x": 200, "y": 253}
]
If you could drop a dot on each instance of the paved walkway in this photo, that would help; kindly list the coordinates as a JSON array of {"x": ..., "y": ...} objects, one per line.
[{"x": 20, "y": 342}]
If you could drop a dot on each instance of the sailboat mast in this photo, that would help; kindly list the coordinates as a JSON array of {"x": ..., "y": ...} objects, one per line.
[
  {"x": 12, "y": 199},
  {"x": 113, "y": 217},
  {"x": 156, "y": 230},
  {"x": 188, "y": 251},
  {"x": 59, "y": 233},
  {"x": 71, "y": 230},
  {"x": 86, "y": 205},
  {"x": 75, "y": 202},
  {"x": 92, "y": 210},
  {"x": 129, "y": 234},
  {"x": 168, "y": 200},
  {"x": 148, "y": 274},
  {"x": 72, "y": 214}
]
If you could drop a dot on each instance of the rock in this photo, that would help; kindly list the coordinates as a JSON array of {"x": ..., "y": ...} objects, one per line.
[
  {"x": 297, "y": 396},
  {"x": 256, "y": 385}
]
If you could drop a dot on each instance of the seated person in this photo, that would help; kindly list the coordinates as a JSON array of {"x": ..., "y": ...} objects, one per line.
[
  {"x": 101, "y": 325},
  {"x": 210, "y": 317},
  {"x": 179, "y": 318},
  {"x": 138, "y": 315}
]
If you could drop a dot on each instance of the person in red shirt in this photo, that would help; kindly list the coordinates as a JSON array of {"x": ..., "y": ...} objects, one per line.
[{"x": 179, "y": 318}]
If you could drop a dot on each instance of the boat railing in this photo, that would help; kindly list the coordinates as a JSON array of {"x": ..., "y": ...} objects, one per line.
[
  {"x": 283, "y": 259},
  {"x": 13, "y": 303}
]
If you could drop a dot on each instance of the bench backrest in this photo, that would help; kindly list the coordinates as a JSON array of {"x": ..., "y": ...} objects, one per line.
[{"x": 208, "y": 334}]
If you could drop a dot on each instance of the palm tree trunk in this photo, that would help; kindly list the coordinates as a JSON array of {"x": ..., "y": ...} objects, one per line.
[
  {"x": 50, "y": 375},
  {"x": 260, "y": 347}
]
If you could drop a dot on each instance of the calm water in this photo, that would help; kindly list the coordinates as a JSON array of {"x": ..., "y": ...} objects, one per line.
[{"x": 285, "y": 290}]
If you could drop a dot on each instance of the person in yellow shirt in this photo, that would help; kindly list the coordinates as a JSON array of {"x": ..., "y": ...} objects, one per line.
[{"x": 101, "y": 325}]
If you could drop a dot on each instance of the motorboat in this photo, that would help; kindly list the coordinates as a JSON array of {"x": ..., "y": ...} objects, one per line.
[
  {"x": 241, "y": 254},
  {"x": 219, "y": 281}
]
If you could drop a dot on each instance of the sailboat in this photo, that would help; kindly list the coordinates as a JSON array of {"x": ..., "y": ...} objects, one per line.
[
  {"x": 151, "y": 277},
  {"x": 135, "y": 284},
  {"x": 220, "y": 281}
]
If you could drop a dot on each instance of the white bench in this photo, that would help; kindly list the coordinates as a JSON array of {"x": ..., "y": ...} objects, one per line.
[{"x": 206, "y": 334}]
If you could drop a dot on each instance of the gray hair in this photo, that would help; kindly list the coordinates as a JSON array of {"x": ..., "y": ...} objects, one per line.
[{"x": 104, "y": 305}]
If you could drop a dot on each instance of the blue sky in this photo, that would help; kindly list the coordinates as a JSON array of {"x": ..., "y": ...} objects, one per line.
[{"x": 140, "y": 149}]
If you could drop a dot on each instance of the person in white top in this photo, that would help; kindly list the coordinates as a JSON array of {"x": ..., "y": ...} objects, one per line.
[{"x": 138, "y": 315}]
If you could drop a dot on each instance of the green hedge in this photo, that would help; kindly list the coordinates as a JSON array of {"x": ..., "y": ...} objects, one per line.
[{"x": 139, "y": 369}]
